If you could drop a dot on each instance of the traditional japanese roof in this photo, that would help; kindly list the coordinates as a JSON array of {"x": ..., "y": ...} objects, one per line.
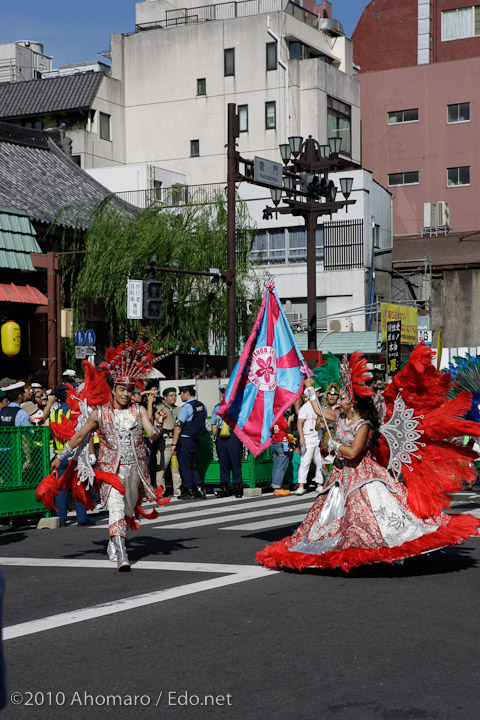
[
  {"x": 49, "y": 95},
  {"x": 17, "y": 240},
  {"x": 36, "y": 175},
  {"x": 448, "y": 252},
  {"x": 22, "y": 294}
]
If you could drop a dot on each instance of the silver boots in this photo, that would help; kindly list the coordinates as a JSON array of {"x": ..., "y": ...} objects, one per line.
[{"x": 121, "y": 556}]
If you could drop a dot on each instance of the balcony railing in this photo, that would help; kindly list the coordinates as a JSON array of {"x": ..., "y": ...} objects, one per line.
[
  {"x": 343, "y": 245},
  {"x": 229, "y": 11},
  {"x": 174, "y": 196}
]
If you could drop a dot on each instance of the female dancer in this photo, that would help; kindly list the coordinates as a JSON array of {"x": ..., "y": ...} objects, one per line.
[{"x": 364, "y": 514}]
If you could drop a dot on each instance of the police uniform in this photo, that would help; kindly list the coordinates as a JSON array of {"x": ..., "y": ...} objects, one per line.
[
  {"x": 191, "y": 419},
  {"x": 61, "y": 500},
  {"x": 229, "y": 451}
]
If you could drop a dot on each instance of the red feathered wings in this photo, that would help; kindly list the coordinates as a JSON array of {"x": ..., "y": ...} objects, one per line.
[{"x": 439, "y": 465}]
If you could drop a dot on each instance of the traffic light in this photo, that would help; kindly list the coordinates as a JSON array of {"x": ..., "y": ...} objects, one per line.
[{"x": 152, "y": 299}]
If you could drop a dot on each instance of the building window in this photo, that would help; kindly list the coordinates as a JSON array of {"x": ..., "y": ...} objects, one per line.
[
  {"x": 458, "y": 176},
  {"x": 461, "y": 23},
  {"x": 402, "y": 116},
  {"x": 458, "y": 113},
  {"x": 179, "y": 194},
  {"x": 404, "y": 178},
  {"x": 319, "y": 235},
  {"x": 194, "y": 148},
  {"x": 270, "y": 116},
  {"x": 269, "y": 247},
  {"x": 201, "y": 86},
  {"x": 77, "y": 159},
  {"x": 243, "y": 118},
  {"x": 272, "y": 56},
  {"x": 104, "y": 126},
  {"x": 339, "y": 123},
  {"x": 229, "y": 61},
  {"x": 297, "y": 246}
]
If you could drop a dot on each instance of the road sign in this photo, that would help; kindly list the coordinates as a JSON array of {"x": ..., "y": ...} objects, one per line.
[
  {"x": 134, "y": 299},
  {"x": 267, "y": 172},
  {"x": 90, "y": 337},
  {"x": 80, "y": 337},
  {"x": 81, "y": 352},
  {"x": 425, "y": 335}
]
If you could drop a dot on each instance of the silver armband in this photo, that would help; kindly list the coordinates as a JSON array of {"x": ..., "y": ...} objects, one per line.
[
  {"x": 157, "y": 427},
  {"x": 65, "y": 452}
]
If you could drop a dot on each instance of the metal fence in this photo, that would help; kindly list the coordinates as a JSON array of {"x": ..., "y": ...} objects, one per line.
[
  {"x": 229, "y": 11},
  {"x": 343, "y": 245},
  {"x": 174, "y": 196},
  {"x": 24, "y": 462}
]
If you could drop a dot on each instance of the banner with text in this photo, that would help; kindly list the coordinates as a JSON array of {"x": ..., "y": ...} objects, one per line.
[{"x": 407, "y": 316}]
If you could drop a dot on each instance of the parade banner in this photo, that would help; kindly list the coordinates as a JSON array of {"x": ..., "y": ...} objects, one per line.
[
  {"x": 267, "y": 378},
  {"x": 408, "y": 318},
  {"x": 394, "y": 332}
]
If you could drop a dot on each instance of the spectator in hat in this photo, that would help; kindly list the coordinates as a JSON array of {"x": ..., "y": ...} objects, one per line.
[
  {"x": 3, "y": 399},
  {"x": 189, "y": 428},
  {"x": 229, "y": 451},
  {"x": 4, "y": 382},
  {"x": 12, "y": 415}
]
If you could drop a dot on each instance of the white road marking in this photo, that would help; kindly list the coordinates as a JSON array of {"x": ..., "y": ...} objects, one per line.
[
  {"x": 200, "y": 508},
  {"x": 236, "y": 574},
  {"x": 276, "y": 522},
  {"x": 241, "y": 516}
]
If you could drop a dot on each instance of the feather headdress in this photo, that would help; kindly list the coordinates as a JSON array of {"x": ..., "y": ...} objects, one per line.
[{"x": 354, "y": 374}]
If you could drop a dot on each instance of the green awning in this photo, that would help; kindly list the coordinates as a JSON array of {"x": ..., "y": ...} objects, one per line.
[
  {"x": 17, "y": 239},
  {"x": 347, "y": 342}
]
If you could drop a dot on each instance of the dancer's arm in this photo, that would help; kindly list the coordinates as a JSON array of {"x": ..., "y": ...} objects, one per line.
[
  {"x": 351, "y": 451},
  {"x": 77, "y": 439}
]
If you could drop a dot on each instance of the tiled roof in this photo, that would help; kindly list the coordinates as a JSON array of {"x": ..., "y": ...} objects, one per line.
[
  {"x": 37, "y": 176},
  {"x": 17, "y": 240},
  {"x": 38, "y": 97},
  {"x": 444, "y": 251},
  {"x": 343, "y": 342}
]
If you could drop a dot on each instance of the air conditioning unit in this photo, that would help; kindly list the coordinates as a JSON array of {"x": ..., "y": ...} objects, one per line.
[
  {"x": 340, "y": 324},
  {"x": 429, "y": 215},
  {"x": 443, "y": 212}
]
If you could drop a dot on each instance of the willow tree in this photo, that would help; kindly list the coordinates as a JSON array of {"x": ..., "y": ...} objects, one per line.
[{"x": 192, "y": 237}]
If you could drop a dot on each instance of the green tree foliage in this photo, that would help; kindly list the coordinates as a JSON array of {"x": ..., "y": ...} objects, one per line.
[{"x": 192, "y": 237}]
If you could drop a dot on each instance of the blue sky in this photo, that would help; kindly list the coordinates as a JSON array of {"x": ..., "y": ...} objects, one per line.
[{"x": 75, "y": 31}]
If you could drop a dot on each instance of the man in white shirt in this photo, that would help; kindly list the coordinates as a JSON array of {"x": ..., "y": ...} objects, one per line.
[{"x": 310, "y": 448}]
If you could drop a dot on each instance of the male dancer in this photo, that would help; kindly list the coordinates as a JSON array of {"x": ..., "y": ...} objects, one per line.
[{"x": 122, "y": 467}]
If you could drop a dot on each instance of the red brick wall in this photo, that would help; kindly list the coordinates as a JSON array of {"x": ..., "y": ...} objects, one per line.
[
  {"x": 452, "y": 49},
  {"x": 386, "y": 35}
]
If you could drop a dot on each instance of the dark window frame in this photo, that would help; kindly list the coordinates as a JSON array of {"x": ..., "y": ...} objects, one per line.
[
  {"x": 405, "y": 180},
  {"x": 195, "y": 149},
  {"x": 241, "y": 107},
  {"x": 101, "y": 126},
  {"x": 391, "y": 113},
  {"x": 201, "y": 86},
  {"x": 271, "y": 103},
  {"x": 271, "y": 63},
  {"x": 229, "y": 57},
  {"x": 457, "y": 121},
  {"x": 458, "y": 170}
]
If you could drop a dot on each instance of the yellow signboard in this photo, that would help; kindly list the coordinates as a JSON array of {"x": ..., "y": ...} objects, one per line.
[{"x": 406, "y": 315}]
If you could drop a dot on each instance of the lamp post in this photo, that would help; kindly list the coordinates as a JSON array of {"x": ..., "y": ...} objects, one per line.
[{"x": 309, "y": 193}]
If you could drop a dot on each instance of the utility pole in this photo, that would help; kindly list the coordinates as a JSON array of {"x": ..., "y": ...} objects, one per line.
[{"x": 232, "y": 173}]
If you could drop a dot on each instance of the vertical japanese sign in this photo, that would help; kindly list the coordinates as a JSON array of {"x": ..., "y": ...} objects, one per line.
[
  {"x": 394, "y": 331},
  {"x": 134, "y": 299}
]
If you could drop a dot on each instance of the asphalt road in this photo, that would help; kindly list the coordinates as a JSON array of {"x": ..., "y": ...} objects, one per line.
[{"x": 197, "y": 629}]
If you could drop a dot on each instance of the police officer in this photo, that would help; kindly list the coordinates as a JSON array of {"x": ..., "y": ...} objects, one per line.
[
  {"x": 12, "y": 415},
  {"x": 229, "y": 451},
  {"x": 61, "y": 501},
  {"x": 189, "y": 428}
]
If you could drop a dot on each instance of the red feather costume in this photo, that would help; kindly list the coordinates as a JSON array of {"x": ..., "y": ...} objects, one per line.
[{"x": 364, "y": 514}]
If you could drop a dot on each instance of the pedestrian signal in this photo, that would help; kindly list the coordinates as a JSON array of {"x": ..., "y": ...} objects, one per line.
[{"x": 152, "y": 299}]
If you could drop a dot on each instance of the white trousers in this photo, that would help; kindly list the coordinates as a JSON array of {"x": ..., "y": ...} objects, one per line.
[{"x": 312, "y": 450}]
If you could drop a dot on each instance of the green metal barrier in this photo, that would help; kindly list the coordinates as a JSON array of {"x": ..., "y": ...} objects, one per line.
[
  {"x": 255, "y": 470},
  {"x": 24, "y": 462}
]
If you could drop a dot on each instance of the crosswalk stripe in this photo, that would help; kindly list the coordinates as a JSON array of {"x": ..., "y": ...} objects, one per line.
[
  {"x": 202, "y": 509},
  {"x": 275, "y": 522},
  {"x": 233, "y": 518}
]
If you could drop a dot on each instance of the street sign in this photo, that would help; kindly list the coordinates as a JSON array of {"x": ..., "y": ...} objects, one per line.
[
  {"x": 81, "y": 352},
  {"x": 134, "y": 299},
  {"x": 80, "y": 337},
  {"x": 267, "y": 172},
  {"x": 90, "y": 337},
  {"x": 425, "y": 335}
]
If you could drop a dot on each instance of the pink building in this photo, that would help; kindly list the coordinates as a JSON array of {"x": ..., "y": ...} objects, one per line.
[{"x": 421, "y": 116}]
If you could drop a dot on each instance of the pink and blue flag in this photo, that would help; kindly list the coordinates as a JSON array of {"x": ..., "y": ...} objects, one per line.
[{"x": 267, "y": 378}]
